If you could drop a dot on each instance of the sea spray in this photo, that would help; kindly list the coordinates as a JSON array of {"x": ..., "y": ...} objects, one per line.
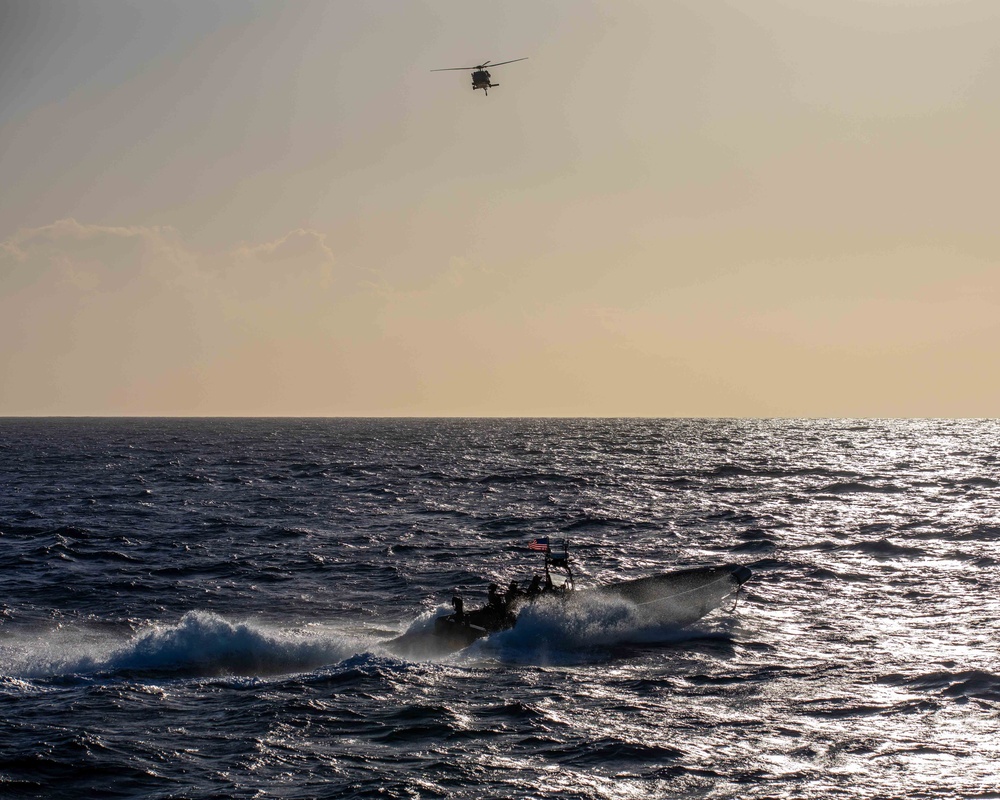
[
  {"x": 556, "y": 630},
  {"x": 201, "y": 643}
]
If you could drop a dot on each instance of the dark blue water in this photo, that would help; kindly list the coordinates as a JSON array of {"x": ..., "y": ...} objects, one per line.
[{"x": 195, "y": 609}]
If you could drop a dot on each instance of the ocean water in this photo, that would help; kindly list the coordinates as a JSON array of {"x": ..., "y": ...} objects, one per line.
[{"x": 197, "y": 609}]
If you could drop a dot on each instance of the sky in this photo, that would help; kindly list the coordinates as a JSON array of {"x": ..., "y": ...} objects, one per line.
[{"x": 784, "y": 208}]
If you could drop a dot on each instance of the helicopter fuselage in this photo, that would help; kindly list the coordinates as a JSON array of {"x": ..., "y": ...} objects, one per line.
[
  {"x": 481, "y": 80},
  {"x": 480, "y": 75}
]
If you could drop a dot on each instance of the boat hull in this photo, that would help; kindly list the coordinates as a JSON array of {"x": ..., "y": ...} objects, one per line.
[
  {"x": 435, "y": 642},
  {"x": 683, "y": 596}
]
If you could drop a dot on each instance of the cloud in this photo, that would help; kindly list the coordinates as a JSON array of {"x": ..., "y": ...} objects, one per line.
[
  {"x": 298, "y": 256},
  {"x": 101, "y": 257},
  {"x": 90, "y": 257},
  {"x": 291, "y": 279},
  {"x": 89, "y": 312},
  {"x": 97, "y": 319},
  {"x": 301, "y": 246}
]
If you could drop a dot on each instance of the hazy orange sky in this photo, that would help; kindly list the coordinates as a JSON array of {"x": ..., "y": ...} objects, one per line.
[{"x": 673, "y": 208}]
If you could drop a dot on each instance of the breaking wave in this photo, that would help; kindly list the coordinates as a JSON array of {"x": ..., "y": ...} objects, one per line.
[{"x": 200, "y": 644}]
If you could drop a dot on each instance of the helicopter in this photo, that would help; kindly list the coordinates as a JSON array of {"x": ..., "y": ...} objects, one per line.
[{"x": 480, "y": 77}]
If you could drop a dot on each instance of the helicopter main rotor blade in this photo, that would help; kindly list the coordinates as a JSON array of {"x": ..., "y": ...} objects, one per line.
[
  {"x": 480, "y": 66},
  {"x": 508, "y": 62}
]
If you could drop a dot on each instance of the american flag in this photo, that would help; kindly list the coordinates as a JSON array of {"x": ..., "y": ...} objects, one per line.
[{"x": 540, "y": 544}]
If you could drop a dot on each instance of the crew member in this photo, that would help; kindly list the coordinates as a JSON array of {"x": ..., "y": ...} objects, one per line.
[{"x": 513, "y": 594}]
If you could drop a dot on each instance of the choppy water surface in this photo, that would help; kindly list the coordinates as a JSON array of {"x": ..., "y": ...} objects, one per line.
[{"x": 194, "y": 608}]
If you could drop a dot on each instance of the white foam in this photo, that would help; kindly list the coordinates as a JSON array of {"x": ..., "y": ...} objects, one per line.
[
  {"x": 201, "y": 643},
  {"x": 590, "y": 621}
]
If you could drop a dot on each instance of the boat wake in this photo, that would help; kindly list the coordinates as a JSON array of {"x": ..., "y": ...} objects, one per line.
[
  {"x": 200, "y": 644},
  {"x": 203, "y": 644}
]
